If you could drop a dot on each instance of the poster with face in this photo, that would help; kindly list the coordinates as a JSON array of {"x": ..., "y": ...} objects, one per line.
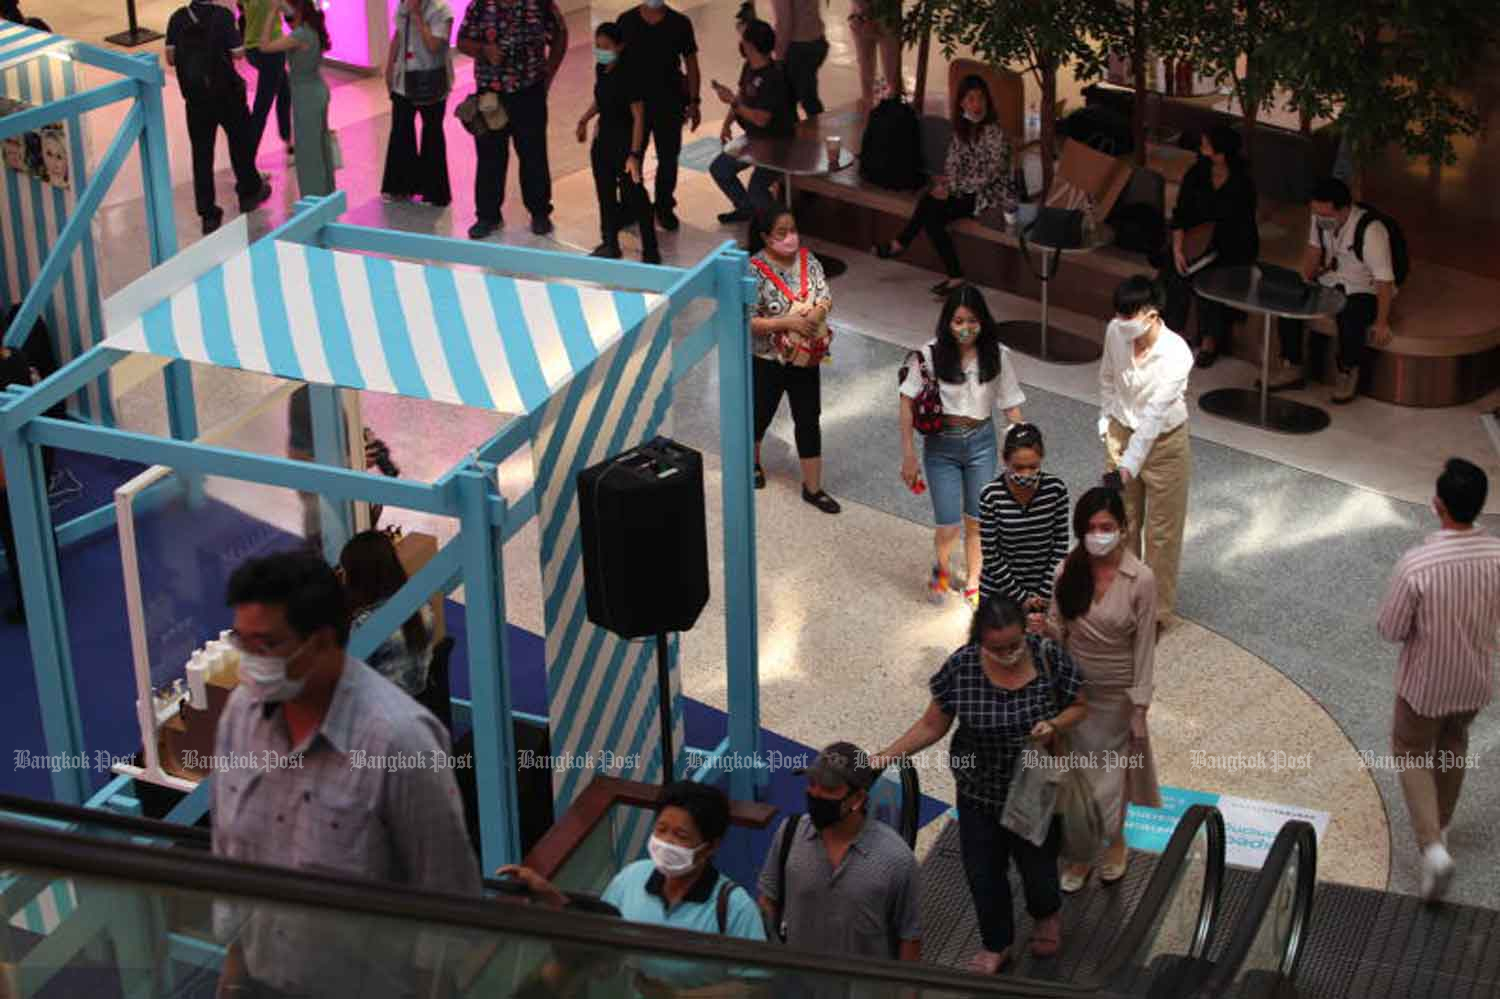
[
  {"x": 42, "y": 154},
  {"x": 54, "y": 142}
]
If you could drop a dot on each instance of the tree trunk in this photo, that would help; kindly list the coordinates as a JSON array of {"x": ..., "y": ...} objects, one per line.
[
  {"x": 1138, "y": 69},
  {"x": 1047, "y": 68}
]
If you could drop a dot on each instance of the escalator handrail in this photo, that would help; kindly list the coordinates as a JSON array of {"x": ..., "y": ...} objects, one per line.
[
  {"x": 75, "y": 854},
  {"x": 192, "y": 836},
  {"x": 1298, "y": 841}
]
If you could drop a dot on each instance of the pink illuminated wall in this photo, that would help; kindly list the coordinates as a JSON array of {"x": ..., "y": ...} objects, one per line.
[{"x": 358, "y": 29}]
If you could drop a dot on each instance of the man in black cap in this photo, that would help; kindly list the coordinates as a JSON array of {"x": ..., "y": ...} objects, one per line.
[{"x": 847, "y": 884}]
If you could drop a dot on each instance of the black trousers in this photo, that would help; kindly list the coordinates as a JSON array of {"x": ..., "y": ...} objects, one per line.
[
  {"x": 412, "y": 168},
  {"x": 1354, "y": 323},
  {"x": 988, "y": 848},
  {"x": 620, "y": 198},
  {"x": 803, "y": 387},
  {"x": 1214, "y": 318},
  {"x": 934, "y": 216},
  {"x": 204, "y": 119},
  {"x": 527, "y": 129},
  {"x": 664, "y": 122},
  {"x": 803, "y": 60},
  {"x": 271, "y": 85}
]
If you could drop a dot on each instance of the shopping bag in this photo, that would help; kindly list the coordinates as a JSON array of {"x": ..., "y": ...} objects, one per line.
[
  {"x": 1082, "y": 819},
  {"x": 1032, "y": 799},
  {"x": 1098, "y": 175}
]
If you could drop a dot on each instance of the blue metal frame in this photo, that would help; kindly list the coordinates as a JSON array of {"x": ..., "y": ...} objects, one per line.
[{"x": 467, "y": 493}]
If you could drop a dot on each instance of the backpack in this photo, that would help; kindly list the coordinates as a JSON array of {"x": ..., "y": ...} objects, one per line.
[
  {"x": 203, "y": 74},
  {"x": 1400, "y": 261},
  {"x": 891, "y": 149}
]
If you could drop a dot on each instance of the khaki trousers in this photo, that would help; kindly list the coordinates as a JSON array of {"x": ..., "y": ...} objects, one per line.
[
  {"x": 1432, "y": 753},
  {"x": 1156, "y": 505}
]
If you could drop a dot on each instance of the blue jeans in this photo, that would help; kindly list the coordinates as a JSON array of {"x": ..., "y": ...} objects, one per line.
[
  {"x": 959, "y": 464},
  {"x": 726, "y": 170},
  {"x": 988, "y": 848}
]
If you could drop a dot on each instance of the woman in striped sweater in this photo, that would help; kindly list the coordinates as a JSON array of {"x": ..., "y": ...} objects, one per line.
[{"x": 1023, "y": 524}]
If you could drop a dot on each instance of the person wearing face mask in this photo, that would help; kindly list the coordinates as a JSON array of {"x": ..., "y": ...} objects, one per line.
[
  {"x": 677, "y": 886},
  {"x": 1217, "y": 191},
  {"x": 763, "y": 108},
  {"x": 792, "y": 303},
  {"x": 976, "y": 178},
  {"x": 1443, "y": 606},
  {"x": 1010, "y": 691},
  {"x": 1104, "y": 612},
  {"x": 1349, "y": 247},
  {"x": 664, "y": 47},
  {"x": 619, "y": 146},
  {"x": 288, "y": 793},
  {"x": 1143, "y": 378},
  {"x": 850, "y": 884},
  {"x": 975, "y": 375},
  {"x": 1023, "y": 524}
]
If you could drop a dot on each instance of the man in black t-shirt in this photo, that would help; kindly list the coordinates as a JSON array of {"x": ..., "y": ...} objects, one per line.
[
  {"x": 763, "y": 108},
  {"x": 664, "y": 51},
  {"x": 202, "y": 43}
]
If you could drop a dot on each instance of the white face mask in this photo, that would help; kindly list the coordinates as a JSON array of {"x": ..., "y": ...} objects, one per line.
[
  {"x": 265, "y": 677},
  {"x": 1132, "y": 329},
  {"x": 1326, "y": 223},
  {"x": 672, "y": 860},
  {"x": 1101, "y": 543},
  {"x": 974, "y": 117}
]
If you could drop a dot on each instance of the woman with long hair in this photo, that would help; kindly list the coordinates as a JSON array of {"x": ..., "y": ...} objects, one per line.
[
  {"x": 1104, "y": 613},
  {"x": 788, "y": 323},
  {"x": 974, "y": 375},
  {"x": 1010, "y": 690},
  {"x": 1023, "y": 524},
  {"x": 975, "y": 179},
  {"x": 619, "y": 146},
  {"x": 372, "y": 573},
  {"x": 304, "y": 48},
  {"x": 419, "y": 75}
]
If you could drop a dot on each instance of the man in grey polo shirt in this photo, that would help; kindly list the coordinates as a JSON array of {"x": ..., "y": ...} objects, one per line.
[{"x": 852, "y": 884}]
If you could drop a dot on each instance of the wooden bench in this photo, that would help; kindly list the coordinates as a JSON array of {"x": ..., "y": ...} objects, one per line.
[{"x": 1445, "y": 351}]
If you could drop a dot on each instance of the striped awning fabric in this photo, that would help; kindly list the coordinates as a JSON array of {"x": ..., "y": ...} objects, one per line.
[{"x": 365, "y": 322}]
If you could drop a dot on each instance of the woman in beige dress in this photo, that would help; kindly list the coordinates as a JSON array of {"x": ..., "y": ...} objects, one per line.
[{"x": 1103, "y": 611}]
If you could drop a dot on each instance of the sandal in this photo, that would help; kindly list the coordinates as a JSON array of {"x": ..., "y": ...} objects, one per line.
[
  {"x": 884, "y": 251},
  {"x": 821, "y": 500},
  {"x": 937, "y": 585},
  {"x": 1072, "y": 882},
  {"x": 971, "y": 597},
  {"x": 760, "y": 477},
  {"x": 1113, "y": 873}
]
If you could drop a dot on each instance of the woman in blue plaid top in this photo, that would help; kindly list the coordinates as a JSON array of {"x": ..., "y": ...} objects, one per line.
[{"x": 1009, "y": 691}]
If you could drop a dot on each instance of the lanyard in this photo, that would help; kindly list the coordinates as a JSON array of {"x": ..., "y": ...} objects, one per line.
[{"x": 775, "y": 278}]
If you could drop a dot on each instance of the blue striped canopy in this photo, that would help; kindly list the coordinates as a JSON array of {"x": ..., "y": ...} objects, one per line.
[{"x": 364, "y": 322}]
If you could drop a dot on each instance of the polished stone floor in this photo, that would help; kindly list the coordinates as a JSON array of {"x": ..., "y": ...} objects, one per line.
[{"x": 847, "y": 639}]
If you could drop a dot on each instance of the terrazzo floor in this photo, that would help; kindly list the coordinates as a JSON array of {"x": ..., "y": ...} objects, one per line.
[{"x": 1289, "y": 539}]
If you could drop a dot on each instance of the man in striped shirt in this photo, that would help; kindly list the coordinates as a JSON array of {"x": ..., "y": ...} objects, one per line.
[{"x": 1443, "y": 606}]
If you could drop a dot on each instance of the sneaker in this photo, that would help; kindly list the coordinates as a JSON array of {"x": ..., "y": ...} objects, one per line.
[
  {"x": 733, "y": 218},
  {"x": 483, "y": 229},
  {"x": 821, "y": 500},
  {"x": 1284, "y": 376},
  {"x": 1345, "y": 386},
  {"x": 212, "y": 222},
  {"x": 253, "y": 202},
  {"x": 609, "y": 251},
  {"x": 541, "y": 225},
  {"x": 937, "y": 585},
  {"x": 1437, "y": 871},
  {"x": 667, "y": 219}
]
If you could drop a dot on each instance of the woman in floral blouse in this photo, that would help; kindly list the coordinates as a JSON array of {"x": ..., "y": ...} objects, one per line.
[{"x": 975, "y": 179}]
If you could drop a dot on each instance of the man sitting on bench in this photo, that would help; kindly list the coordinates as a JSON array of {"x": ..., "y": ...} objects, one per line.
[{"x": 1356, "y": 256}]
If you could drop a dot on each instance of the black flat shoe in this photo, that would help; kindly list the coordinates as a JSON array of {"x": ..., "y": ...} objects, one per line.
[
  {"x": 608, "y": 251},
  {"x": 943, "y": 289},
  {"x": 884, "y": 251},
  {"x": 1206, "y": 358},
  {"x": 760, "y": 477},
  {"x": 821, "y": 500}
]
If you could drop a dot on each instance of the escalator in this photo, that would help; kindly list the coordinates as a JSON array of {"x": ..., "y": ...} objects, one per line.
[{"x": 136, "y": 908}]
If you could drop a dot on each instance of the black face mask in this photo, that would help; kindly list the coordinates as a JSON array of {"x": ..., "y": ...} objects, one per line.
[{"x": 825, "y": 812}]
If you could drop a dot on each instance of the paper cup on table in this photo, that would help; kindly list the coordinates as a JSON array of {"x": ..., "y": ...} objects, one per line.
[{"x": 834, "y": 146}]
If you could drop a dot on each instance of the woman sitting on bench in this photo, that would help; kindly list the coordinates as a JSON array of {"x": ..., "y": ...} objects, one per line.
[{"x": 975, "y": 179}]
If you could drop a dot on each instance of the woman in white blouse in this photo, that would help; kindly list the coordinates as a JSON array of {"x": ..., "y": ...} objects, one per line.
[
  {"x": 974, "y": 374},
  {"x": 1143, "y": 380}
]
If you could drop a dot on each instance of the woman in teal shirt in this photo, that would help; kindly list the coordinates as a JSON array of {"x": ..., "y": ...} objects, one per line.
[
  {"x": 678, "y": 887},
  {"x": 305, "y": 47}
]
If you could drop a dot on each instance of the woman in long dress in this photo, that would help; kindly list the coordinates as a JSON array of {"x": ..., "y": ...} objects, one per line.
[
  {"x": 304, "y": 48},
  {"x": 1103, "y": 611}
]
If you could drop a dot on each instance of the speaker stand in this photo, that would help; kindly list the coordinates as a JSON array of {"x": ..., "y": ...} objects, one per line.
[{"x": 664, "y": 699}]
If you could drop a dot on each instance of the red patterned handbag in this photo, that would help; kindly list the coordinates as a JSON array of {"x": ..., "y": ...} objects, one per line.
[{"x": 927, "y": 407}]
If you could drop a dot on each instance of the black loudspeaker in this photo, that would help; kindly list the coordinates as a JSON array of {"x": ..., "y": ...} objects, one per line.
[{"x": 645, "y": 543}]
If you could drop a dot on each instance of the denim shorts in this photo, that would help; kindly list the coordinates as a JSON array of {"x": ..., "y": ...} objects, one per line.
[{"x": 959, "y": 464}]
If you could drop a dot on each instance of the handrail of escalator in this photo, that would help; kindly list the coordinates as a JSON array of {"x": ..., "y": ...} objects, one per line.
[
  {"x": 1296, "y": 843},
  {"x": 191, "y": 836},
  {"x": 79, "y": 855}
]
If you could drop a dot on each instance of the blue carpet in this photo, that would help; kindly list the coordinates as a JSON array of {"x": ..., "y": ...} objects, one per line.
[{"x": 699, "y": 153}]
